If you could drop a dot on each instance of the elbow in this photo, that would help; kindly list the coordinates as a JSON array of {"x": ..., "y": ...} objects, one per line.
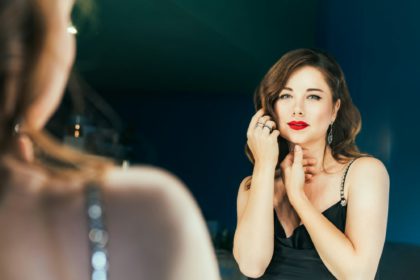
[
  {"x": 358, "y": 276},
  {"x": 362, "y": 273},
  {"x": 252, "y": 268}
]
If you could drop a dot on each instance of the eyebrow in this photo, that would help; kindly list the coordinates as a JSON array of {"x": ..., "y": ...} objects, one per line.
[{"x": 309, "y": 89}]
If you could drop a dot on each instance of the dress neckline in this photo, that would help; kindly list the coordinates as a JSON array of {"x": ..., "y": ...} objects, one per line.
[
  {"x": 338, "y": 203},
  {"x": 342, "y": 202}
]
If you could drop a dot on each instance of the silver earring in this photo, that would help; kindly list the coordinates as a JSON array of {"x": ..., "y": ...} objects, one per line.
[
  {"x": 330, "y": 134},
  {"x": 17, "y": 127}
]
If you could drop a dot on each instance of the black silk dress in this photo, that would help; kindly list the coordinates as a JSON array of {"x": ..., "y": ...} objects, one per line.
[{"x": 295, "y": 256}]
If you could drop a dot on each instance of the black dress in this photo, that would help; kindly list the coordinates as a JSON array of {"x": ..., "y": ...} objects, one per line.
[{"x": 295, "y": 256}]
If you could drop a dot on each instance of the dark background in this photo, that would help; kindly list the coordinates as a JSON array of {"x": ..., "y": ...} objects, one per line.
[{"x": 181, "y": 74}]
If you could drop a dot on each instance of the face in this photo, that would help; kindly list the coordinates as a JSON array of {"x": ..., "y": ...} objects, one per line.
[
  {"x": 55, "y": 62},
  {"x": 306, "y": 98}
]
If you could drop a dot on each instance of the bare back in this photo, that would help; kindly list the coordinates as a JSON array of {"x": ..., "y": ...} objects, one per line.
[{"x": 155, "y": 230}]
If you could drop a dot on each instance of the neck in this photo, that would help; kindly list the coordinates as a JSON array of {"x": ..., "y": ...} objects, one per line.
[{"x": 317, "y": 150}]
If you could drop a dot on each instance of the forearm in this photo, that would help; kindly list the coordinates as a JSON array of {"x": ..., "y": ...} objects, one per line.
[
  {"x": 254, "y": 236},
  {"x": 334, "y": 248}
]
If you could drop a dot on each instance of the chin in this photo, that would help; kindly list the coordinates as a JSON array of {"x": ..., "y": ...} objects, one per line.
[{"x": 295, "y": 139}]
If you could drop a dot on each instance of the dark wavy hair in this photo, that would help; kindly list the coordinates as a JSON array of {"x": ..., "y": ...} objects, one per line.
[{"x": 348, "y": 122}]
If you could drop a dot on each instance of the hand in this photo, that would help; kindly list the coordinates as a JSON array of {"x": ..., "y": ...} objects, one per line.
[
  {"x": 262, "y": 139},
  {"x": 297, "y": 168}
]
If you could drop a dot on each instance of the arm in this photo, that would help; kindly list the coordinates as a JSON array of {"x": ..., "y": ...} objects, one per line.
[
  {"x": 254, "y": 236},
  {"x": 356, "y": 253},
  {"x": 253, "y": 243}
]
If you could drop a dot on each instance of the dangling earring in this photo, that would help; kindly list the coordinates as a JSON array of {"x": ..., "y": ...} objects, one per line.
[
  {"x": 16, "y": 129},
  {"x": 330, "y": 134}
]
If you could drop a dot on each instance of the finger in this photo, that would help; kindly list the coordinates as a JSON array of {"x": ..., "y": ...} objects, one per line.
[
  {"x": 263, "y": 119},
  {"x": 271, "y": 124},
  {"x": 255, "y": 119},
  {"x": 309, "y": 161},
  {"x": 287, "y": 161},
  {"x": 306, "y": 162},
  {"x": 268, "y": 127},
  {"x": 298, "y": 155},
  {"x": 306, "y": 153},
  {"x": 310, "y": 170},
  {"x": 275, "y": 133},
  {"x": 260, "y": 125}
]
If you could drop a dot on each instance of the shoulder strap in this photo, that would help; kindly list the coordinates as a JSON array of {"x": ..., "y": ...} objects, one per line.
[
  {"x": 98, "y": 235},
  {"x": 343, "y": 201}
]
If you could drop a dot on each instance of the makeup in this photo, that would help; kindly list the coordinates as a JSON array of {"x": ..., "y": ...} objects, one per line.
[{"x": 298, "y": 125}]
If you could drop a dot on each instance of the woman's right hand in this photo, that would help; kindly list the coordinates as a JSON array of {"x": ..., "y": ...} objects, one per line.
[{"x": 262, "y": 139}]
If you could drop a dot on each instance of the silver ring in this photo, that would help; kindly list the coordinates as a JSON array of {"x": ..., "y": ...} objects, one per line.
[
  {"x": 259, "y": 124},
  {"x": 269, "y": 128}
]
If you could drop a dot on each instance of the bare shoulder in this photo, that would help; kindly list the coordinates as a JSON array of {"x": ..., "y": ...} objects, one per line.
[
  {"x": 150, "y": 208},
  {"x": 142, "y": 185},
  {"x": 369, "y": 167},
  {"x": 368, "y": 173},
  {"x": 142, "y": 176}
]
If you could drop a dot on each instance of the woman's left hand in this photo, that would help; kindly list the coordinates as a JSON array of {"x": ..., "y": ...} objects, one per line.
[{"x": 293, "y": 172}]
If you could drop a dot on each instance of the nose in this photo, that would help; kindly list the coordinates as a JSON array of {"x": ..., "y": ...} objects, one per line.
[{"x": 297, "y": 109}]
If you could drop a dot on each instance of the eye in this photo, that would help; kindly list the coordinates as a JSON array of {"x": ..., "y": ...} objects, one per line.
[
  {"x": 313, "y": 96},
  {"x": 284, "y": 96}
]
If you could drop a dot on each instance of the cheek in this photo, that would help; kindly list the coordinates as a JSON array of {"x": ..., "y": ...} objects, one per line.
[
  {"x": 279, "y": 111},
  {"x": 322, "y": 111},
  {"x": 282, "y": 119},
  {"x": 319, "y": 117}
]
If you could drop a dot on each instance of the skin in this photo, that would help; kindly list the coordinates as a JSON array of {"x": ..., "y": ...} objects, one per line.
[
  {"x": 54, "y": 65},
  {"x": 53, "y": 70},
  {"x": 43, "y": 219},
  {"x": 307, "y": 188}
]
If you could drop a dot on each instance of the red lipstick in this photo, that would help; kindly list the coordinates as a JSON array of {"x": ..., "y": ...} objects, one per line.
[{"x": 298, "y": 125}]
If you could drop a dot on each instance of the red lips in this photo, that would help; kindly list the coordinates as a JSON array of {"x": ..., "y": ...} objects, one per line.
[{"x": 298, "y": 125}]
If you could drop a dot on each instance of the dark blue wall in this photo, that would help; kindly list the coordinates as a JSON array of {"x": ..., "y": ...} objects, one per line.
[
  {"x": 200, "y": 138},
  {"x": 378, "y": 47}
]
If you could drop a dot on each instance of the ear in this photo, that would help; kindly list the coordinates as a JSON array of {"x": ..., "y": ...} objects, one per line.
[{"x": 336, "y": 108}]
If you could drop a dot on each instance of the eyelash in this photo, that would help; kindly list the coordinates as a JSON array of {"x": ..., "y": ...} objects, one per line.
[{"x": 317, "y": 97}]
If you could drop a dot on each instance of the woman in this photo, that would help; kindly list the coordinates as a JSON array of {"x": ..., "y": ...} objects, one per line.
[
  {"x": 315, "y": 207},
  {"x": 65, "y": 215}
]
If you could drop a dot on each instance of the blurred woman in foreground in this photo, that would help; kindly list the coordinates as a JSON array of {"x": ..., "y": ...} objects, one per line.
[{"x": 66, "y": 215}]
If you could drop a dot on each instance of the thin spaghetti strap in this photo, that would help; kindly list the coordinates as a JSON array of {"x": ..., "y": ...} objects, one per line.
[
  {"x": 343, "y": 200},
  {"x": 98, "y": 235}
]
